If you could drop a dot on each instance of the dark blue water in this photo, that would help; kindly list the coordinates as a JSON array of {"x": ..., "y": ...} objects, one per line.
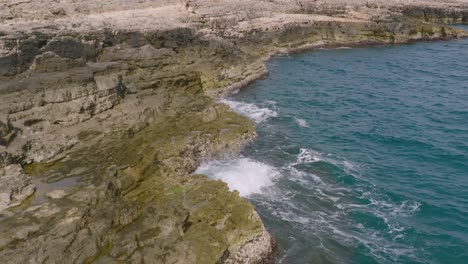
[{"x": 362, "y": 154}]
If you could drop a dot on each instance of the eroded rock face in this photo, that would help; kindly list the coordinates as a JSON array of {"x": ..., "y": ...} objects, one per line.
[
  {"x": 138, "y": 204},
  {"x": 15, "y": 186},
  {"x": 130, "y": 126},
  {"x": 109, "y": 109}
]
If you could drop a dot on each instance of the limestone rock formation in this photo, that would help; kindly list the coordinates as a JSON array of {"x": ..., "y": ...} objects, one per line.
[
  {"x": 15, "y": 186},
  {"x": 108, "y": 107}
]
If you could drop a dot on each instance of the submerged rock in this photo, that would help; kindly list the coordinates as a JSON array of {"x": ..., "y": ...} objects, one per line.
[{"x": 56, "y": 194}]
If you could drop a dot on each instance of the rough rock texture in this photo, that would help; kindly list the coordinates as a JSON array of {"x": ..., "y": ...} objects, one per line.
[
  {"x": 107, "y": 107},
  {"x": 15, "y": 186}
]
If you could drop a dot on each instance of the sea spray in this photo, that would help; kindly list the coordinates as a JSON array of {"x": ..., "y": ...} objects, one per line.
[
  {"x": 258, "y": 114},
  {"x": 301, "y": 122},
  {"x": 242, "y": 174}
]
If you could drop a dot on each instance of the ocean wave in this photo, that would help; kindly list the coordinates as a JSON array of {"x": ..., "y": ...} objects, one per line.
[
  {"x": 252, "y": 111},
  {"x": 336, "y": 48},
  {"x": 405, "y": 209},
  {"x": 361, "y": 198},
  {"x": 245, "y": 175},
  {"x": 283, "y": 202},
  {"x": 386, "y": 246},
  {"x": 307, "y": 156},
  {"x": 302, "y": 177},
  {"x": 301, "y": 122}
]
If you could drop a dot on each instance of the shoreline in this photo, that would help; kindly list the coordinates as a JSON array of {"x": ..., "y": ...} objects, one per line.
[
  {"x": 329, "y": 46},
  {"x": 131, "y": 114},
  {"x": 260, "y": 97}
]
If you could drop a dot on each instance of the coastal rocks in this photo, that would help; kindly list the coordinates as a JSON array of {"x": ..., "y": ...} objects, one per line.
[
  {"x": 260, "y": 249},
  {"x": 15, "y": 186},
  {"x": 56, "y": 194},
  {"x": 49, "y": 61},
  {"x": 7, "y": 133},
  {"x": 437, "y": 14},
  {"x": 158, "y": 215},
  {"x": 71, "y": 80},
  {"x": 119, "y": 101}
]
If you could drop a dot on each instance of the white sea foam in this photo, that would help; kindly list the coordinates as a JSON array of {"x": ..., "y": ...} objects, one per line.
[
  {"x": 303, "y": 177},
  {"x": 249, "y": 176},
  {"x": 242, "y": 174},
  {"x": 406, "y": 208},
  {"x": 330, "y": 224},
  {"x": 301, "y": 122},
  {"x": 258, "y": 114},
  {"x": 235, "y": 91},
  {"x": 282, "y": 204},
  {"x": 336, "y": 48},
  {"x": 307, "y": 156}
]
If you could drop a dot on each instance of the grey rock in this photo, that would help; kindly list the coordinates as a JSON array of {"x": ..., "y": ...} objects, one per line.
[
  {"x": 56, "y": 194},
  {"x": 15, "y": 186},
  {"x": 122, "y": 97}
]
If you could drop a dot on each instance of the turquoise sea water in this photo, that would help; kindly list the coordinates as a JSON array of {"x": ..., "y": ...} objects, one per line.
[{"x": 361, "y": 156}]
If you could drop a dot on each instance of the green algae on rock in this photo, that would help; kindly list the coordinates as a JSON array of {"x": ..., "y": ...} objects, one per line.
[
  {"x": 154, "y": 204},
  {"x": 128, "y": 111}
]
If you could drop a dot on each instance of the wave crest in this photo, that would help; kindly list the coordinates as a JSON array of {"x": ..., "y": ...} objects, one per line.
[
  {"x": 242, "y": 174},
  {"x": 301, "y": 122},
  {"x": 258, "y": 114}
]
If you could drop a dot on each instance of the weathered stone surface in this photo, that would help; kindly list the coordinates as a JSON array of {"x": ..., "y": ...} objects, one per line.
[
  {"x": 15, "y": 186},
  {"x": 56, "y": 194},
  {"x": 121, "y": 98}
]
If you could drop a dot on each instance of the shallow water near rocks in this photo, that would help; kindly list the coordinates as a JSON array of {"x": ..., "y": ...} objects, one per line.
[
  {"x": 361, "y": 156},
  {"x": 42, "y": 188}
]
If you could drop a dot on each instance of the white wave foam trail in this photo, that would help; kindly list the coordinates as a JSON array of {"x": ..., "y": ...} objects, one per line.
[
  {"x": 242, "y": 174},
  {"x": 317, "y": 208},
  {"x": 337, "y": 48},
  {"x": 251, "y": 111},
  {"x": 301, "y": 122},
  {"x": 306, "y": 156}
]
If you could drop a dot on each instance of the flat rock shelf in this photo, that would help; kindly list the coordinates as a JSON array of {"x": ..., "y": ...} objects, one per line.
[{"x": 107, "y": 110}]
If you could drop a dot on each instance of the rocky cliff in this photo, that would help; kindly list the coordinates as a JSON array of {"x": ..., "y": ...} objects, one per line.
[{"x": 108, "y": 108}]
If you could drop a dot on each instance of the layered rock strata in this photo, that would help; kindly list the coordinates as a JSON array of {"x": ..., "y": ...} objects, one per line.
[{"x": 107, "y": 109}]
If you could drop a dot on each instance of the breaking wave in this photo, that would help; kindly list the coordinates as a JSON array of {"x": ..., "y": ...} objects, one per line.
[
  {"x": 242, "y": 174},
  {"x": 271, "y": 188},
  {"x": 288, "y": 204},
  {"x": 301, "y": 122},
  {"x": 258, "y": 114}
]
